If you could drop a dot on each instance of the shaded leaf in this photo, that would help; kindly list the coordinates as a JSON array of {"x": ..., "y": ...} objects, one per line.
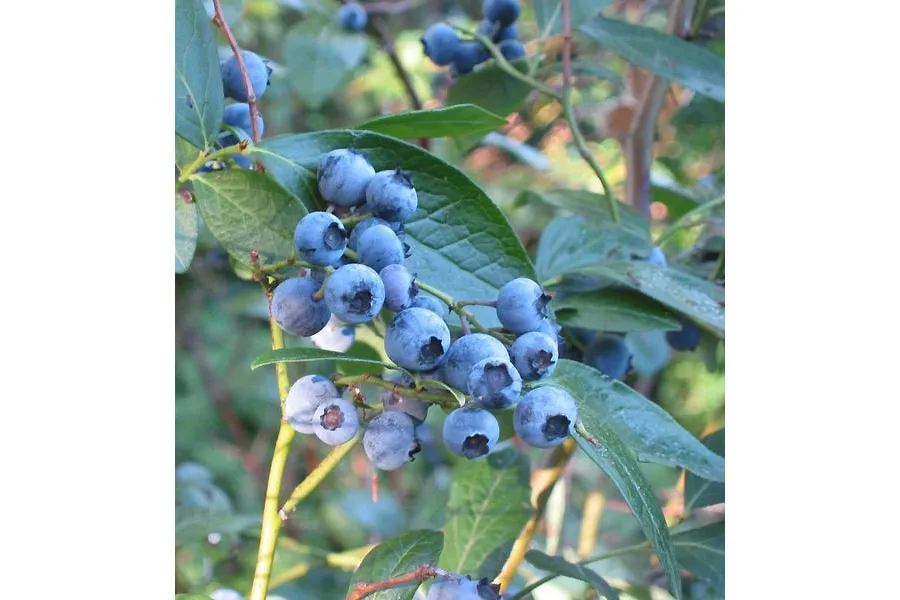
[
  {"x": 196, "y": 527},
  {"x": 490, "y": 88},
  {"x": 560, "y": 566},
  {"x": 185, "y": 152},
  {"x": 438, "y": 122},
  {"x": 313, "y": 355},
  {"x": 701, "y": 551},
  {"x": 199, "y": 98},
  {"x": 614, "y": 310},
  {"x": 397, "y": 556},
  {"x": 699, "y": 492},
  {"x": 187, "y": 227},
  {"x": 595, "y": 209},
  {"x": 549, "y": 16}
]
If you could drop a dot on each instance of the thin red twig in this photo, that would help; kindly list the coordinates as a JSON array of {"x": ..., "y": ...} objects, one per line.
[
  {"x": 361, "y": 590},
  {"x": 220, "y": 22}
]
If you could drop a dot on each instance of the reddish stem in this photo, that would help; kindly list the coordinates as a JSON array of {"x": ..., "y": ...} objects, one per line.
[
  {"x": 219, "y": 20},
  {"x": 361, "y": 590}
]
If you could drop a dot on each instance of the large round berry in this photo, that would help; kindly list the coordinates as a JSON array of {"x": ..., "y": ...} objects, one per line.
[
  {"x": 545, "y": 416},
  {"x": 379, "y": 247},
  {"x": 391, "y": 195},
  {"x": 468, "y": 55},
  {"x": 429, "y": 302},
  {"x": 304, "y": 398},
  {"x": 343, "y": 176},
  {"x": 320, "y": 238},
  {"x": 504, "y": 12},
  {"x": 417, "y": 339},
  {"x": 657, "y": 257},
  {"x": 465, "y": 352},
  {"x": 453, "y": 587},
  {"x": 336, "y": 336},
  {"x": 392, "y": 401},
  {"x": 390, "y": 440},
  {"x": 534, "y": 354},
  {"x": 440, "y": 44},
  {"x": 363, "y": 226},
  {"x": 471, "y": 431},
  {"x": 353, "y": 17},
  {"x": 511, "y": 49},
  {"x": 399, "y": 287},
  {"x": 522, "y": 305},
  {"x": 335, "y": 421},
  {"x": 295, "y": 310},
  {"x": 686, "y": 339},
  {"x": 494, "y": 383},
  {"x": 610, "y": 355},
  {"x": 354, "y": 293},
  {"x": 238, "y": 115},
  {"x": 233, "y": 83}
]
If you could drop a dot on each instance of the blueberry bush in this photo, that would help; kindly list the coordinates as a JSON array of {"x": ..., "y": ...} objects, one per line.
[{"x": 473, "y": 254}]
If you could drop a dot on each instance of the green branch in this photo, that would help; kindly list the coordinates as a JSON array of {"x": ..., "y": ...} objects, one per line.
[
  {"x": 445, "y": 400},
  {"x": 459, "y": 308},
  {"x": 315, "y": 477}
]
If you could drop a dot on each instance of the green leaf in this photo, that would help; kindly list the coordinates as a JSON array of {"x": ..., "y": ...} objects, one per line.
[
  {"x": 595, "y": 209},
  {"x": 489, "y": 505},
  {"x": 313, "y": 355},
  {"x": 490, "y": 88},
  {"x": 648, "y": 430},
  {"x": 686, "y": 293},
  {"x": 187, "y": 227},
  {"x": 614, "y": 310},
  {"x": 320, "y": 58},
  {"x": 560, "y": 566},
  {"x": 460, "y": 241},
  {"x": 299, "y": 181},
  {"x": 245, "y": 210},
  {"x": 699, "y": 492},
  {"x": 402, "y": 554},
  {"x": 435, "y": 123},
  {"x": 231, "y": 9},
  {"x": 617, "y": 461},
  {"x": 185, "y": 152},
  {"x": 701, "y": 551},
  {"x": 549, "y": 16},
  {"x": 665, "y": 55},
  {"x": 198, "y": 81}
]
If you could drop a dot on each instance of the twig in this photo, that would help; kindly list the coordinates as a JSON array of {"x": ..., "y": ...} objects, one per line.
[
  {"x": 315, "y": 477},
  {"x": 361, "y": 590},
  {"x": 220, "y": 22},
  {"x": 445, "y": 400},
  {"x": 459, "y": 309}
]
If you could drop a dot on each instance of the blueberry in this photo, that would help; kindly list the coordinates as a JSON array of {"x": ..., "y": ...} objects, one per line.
[
  {"x": 336, "y": 336},
  {"x": 391, "y": 195},
  {"x": 364, "y": 226},
  {"x": 417, "y": 339},
  {"x": 440, "y": 44},
  {"x": 534, "y": 354},
  {"x": 657, "y": 257},
  {"x": 399, "y": 287},
  {"x": 238, "y": 115},
  {"x": 550, "y": 328},
  {"x": 304, "y": 398},
  {"x": 610, "y": 355},
  {"x": 522, "y": 305},
  {"x": 320, "y": 238},
  {"x": 354, "y": 293},
  {"x": 233, "y": 83},
  {"x": 295, "y": 310},
  {"x": 429, "y": 302},
  {"x": 511, "y": 49},
  {"x": 504, "y": 12},
  {"x": 545, "y": 416},
  {"x": 494, "y": 383},
  {"x": 453, "y": 587},
  {"x": 471, "y": 431},
  {"x": 335, "y": 421},
  {"x": 390, "y": 440},
  {"x": 242, "y": 161},
  {"x": 379, "y": 247},
  {"x": 193, "y": 473},
  {"x": 486, "y": 28},
  {"x": 353, "y": 17},
  {"x": 469, "y": 54},
  {"x": 686, "y": 339},
  {"x": 392, "y": 401},
  {"x": 509, "y": 32},
  {"x": 343, "y": 176},
  {"x": 465, "y": 352}
]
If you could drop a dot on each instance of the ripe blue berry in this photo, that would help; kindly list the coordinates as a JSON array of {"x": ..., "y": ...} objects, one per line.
[
  {"x": 336, "y": 336},
  {"x": 494, "y": 383},
  {"x": 510, "y": 32},
  {"x": 363, "y": 226},
  {"x": 399, "y": 287},
  {"x": 522, "y": 305},
  {"x": 335, "y": 421},
  {"x": 379, "y": 247},
  {"x": 471, "y": 431},
  {"x": 304, "y": 398},
  {"x": 320, "y": 238},
  {"x": 504, "y": 12},
  {"x": 390, "y": 440},
  {"x": 465, "y": 352},
  {"x": 392, "y": 401},
  {"x": 686, "y": 339},
  {"x": 429, "y": 302},
  {"x": 353, "y": 17},
  {"x": 610, "y": 355},
  {"x": 550, "y": 328},
  {"x": 453, "y": 587},
  {"x": 417, "y": 339},
  {"x": 440, "y": 44},
  {"x": 354, "y": 293},
  {"x": 545, "y": 416},
  {"x": 391, "y": 195},
  {"x": 657, "y": 257},
  {"x": 233, "y": 83},
  {"x": 295, "y": 310},
  {"x": 534, "y": 354},
  {"x": 469, "y": 54},
  {"x": 511, "y": 49},
  {"x": 343, "y": 176},
  {"x": 238, "y": 115}
]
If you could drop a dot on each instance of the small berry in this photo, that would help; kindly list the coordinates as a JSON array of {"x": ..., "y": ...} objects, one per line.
[
  {"x": 335, "y": 421},
  {"x": 509, "y": 32},
  {"x": 343, "y": 176},
  {"x": 354, "y": 293},
  {"x": 471, "y": 432},
  {"x": 320, "y": 238},
  {"x": 440, "y": 44},
  {"x": 610, "y": 355},
  {"x": 465, "y": 352},
  {"x": 429, "y": 302},
  {"x": 233, "y": 83},
  {"x": 522, "y": 306},
  {"x": 504, "y": 12},
  {"x": 545, "y": 416},
  {"x": 391, "y": 195},
  {"x": 336, "y": 336},
  {"x": 238, "y": 115},
  {"x": 417, "y": 339},
  {"x": 657, "y": 257},
  {"x": 534, "y": 354},
  {"x": 390, "y": 440},
  {"x": 469, "y": 54},
  {"x": 304, "y": 398},
  {"x": 494, "y": 383},
  {"x": 364, "y": 226},
  {"x": 392, "y": 401},
  {"x": 379, "y": 247},
  {"x": 511, "y": 49},
  {"x": 685, "y": 340},
  {"x": 295, "y": 310},
  {"x": 399, "y": 287},
  {"x": 353, "y": 17}
]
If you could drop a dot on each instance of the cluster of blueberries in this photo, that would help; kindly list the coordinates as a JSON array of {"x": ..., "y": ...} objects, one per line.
[
  {"x": 360, "y": 283},
  {"x": 441, "y": 44}
]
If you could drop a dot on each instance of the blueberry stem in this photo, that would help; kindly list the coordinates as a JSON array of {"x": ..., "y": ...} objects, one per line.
[
  {"x": 459, "y": 308},
  {"x": 204, "y": 157},
  {"x": 354, "y": 219},
  {"x": 351, "y": 254},
  {"x": 445, "y": 400}
]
